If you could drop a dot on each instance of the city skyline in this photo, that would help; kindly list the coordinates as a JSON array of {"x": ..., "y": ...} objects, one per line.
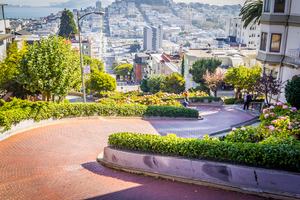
[{"x": 105, "y": 2}]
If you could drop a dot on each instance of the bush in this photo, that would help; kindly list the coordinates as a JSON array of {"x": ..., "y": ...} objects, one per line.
[
  {"x": 276, "y": 156},
  {"x": 292, "y": 92},
  {"x": 19, "y": 110},
  {"x": 174, "y": 83},
  {"x": 101, "y": 81}
]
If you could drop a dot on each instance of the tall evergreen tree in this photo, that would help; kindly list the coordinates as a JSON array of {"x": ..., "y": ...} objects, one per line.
[{"x": 67, "y": 27}]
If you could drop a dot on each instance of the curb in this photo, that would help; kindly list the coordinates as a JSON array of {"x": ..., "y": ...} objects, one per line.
[
  {"x": 248, "y": 180},
  {"x": 246, "y": 123}
]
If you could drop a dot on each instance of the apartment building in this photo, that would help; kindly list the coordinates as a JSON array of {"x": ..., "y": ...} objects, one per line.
[
  {"x": 248, "y": 37},
  {"x": 153, "y": 37},
  {"x": 279, "y": 49}
]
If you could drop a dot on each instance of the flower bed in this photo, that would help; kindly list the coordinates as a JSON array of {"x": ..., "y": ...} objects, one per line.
[
  {"x": 19, "y": 110},
  {"x": 275, "y": 156},
  {"x": 160, "y": 98}
]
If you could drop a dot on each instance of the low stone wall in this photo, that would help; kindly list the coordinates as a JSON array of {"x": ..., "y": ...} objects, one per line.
[{"x": 265, "y": 182}]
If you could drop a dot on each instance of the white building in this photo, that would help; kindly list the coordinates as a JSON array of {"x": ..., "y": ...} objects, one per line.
[
  {"x": 279, "y": 49},
  {"x": 249, "y": 36},
  {"x": 153, "y": 37}
]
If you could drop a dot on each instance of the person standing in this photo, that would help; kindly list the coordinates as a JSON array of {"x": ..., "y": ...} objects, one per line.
[{"x": 247, "y": 101}]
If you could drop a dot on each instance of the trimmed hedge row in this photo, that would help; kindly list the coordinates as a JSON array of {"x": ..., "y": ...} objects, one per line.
[
  {"x": 279, "y": 156},
  {"x": 12, "y": 113}
]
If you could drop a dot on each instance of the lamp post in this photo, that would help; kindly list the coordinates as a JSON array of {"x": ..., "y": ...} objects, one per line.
[{"x": 80, "y": 49}]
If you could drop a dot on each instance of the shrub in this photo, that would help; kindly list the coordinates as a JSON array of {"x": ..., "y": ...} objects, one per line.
[
  {"x": 101, "y": 81},
  {"x": 292, "y": 92},
  {"x": 276, "y": 156},
  {"x": 245, "y": 134},
  {"x": 174, "y": 83},
  {"x": 19, "y": 110}
]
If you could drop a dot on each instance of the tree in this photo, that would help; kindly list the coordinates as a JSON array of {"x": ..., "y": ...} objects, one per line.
[
  {"x": 100, "y": 81},
  {"x": 182, "y": 67},
  {"x": 199, "y": 68},
  {"x": 243, "y": 78},
  {"x": 124, "y": 69},
  {"x": 94, "y": 63},
  {"x": 67, "y": 27},
  {"x": 214, "y": 79},
  {"x": 268, "y": 85},
  {"x": 292, "y": 92},
  {"x": 174, "y": 83},
  {"x": 156, "y": 83},
  {"x": 144, "y": 85},
  {"x": 251, "y": 12},
  {"x": 51, "y": 68},
  {"x": 134, "y": 48},
  {"x": 10, "y": 69}
]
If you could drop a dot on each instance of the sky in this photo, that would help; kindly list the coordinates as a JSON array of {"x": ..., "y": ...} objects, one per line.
[{"x": 83, "y": 2}]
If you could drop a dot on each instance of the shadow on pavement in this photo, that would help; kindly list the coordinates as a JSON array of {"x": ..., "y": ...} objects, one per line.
[{"x": 149, "y": 188}]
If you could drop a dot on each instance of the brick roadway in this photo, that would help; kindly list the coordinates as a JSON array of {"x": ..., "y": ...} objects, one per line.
[
  {"x": 58, "y": 162},
  {"x": 216, "y": 118}
]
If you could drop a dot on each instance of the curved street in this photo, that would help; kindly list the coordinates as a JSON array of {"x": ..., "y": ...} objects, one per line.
[{"x": 58, "y": 162}]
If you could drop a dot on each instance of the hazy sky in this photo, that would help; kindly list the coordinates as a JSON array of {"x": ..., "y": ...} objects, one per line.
[{"x": 47, "y": 2}]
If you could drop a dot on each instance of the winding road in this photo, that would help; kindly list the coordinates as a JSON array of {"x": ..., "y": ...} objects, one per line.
[{"x": 58, "y": 162}]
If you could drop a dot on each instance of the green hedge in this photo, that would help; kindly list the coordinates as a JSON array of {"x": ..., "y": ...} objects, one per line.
[
  {"x": 275, "y": 156},
  {"x": 17, "y": 111}
]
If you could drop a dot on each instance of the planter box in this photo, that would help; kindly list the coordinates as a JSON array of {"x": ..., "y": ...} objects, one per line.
[{"x": 265, "y": 182}]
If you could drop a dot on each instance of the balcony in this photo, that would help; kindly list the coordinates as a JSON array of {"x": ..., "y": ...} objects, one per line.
[{"x": 293, "y": 57}]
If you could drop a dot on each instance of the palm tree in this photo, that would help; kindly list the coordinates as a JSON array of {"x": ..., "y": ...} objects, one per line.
[{"x": 251, "y": 12}]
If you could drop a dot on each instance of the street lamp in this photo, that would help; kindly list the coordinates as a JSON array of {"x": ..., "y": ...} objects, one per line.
[{"x": 80, "y": 48}]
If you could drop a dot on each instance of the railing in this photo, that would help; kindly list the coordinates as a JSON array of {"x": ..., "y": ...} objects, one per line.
[{"x": 294, "y": 54}]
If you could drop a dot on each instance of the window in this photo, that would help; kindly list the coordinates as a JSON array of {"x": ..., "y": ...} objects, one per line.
[
  {"x": 275, "y": 42},
  {"x": 267, "y": 6},
  {"x": 279, "y": 6},
  {"x": 263, "y": 41}
]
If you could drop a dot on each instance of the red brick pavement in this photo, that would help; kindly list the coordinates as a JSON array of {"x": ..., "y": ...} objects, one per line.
[{"x": 58, "y": 162}]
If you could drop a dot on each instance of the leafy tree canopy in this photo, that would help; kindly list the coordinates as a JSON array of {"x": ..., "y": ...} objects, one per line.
[
  {"x": 200, "y": 67},
  {"x": 10, "y": 69},
  {"x": 101, "y": 82},
  {"x": 94, "y": 63},
  {"x": 243, "y": 78},
  {"x": 51, "y": 68},
  {"x": 292, "y": 92},
  {"x": 68, "y": 26},
  {"x": 174, "y": 83},
  {"x": 124, "y": 69}
]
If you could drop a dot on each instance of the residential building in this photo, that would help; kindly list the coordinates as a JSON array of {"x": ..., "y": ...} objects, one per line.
[
  {"x": 248, "y": 37},
  {"x": 153, "y": 37},
  {"x": 164, "y": 64},
  {"x": 5, "y": 36},
  {"x": 86, "y": 46},
  {"x": 279, "y": 49}
]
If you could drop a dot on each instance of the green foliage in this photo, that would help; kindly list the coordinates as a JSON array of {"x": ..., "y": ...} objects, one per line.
[
  {"x": 67, "y": 27},
  {"x": 245, "y": 134},
  {"x": 124, "y": 69},
  {"x": 292, "y": 92},
  {"x": 230, "y": 101},
  {"x": 182, "y": 67},
  {"x": 156, "y": 83},
  {"x": 10, "y": 70},
  {"x": 174, "y": 83},
  {"x": 51, "y": 68},
  {"x": 276, "y": 156},
  {"x": 242, "y": 77},
  {"x": 144, "y": 85},
  {"x": 251, "y": 12},
  {"x": 200, "y": 67},
  {"x": 95, "y": 64},
  {"x": 18, "y": 110},
  {"x": 100, "y": 81}
]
